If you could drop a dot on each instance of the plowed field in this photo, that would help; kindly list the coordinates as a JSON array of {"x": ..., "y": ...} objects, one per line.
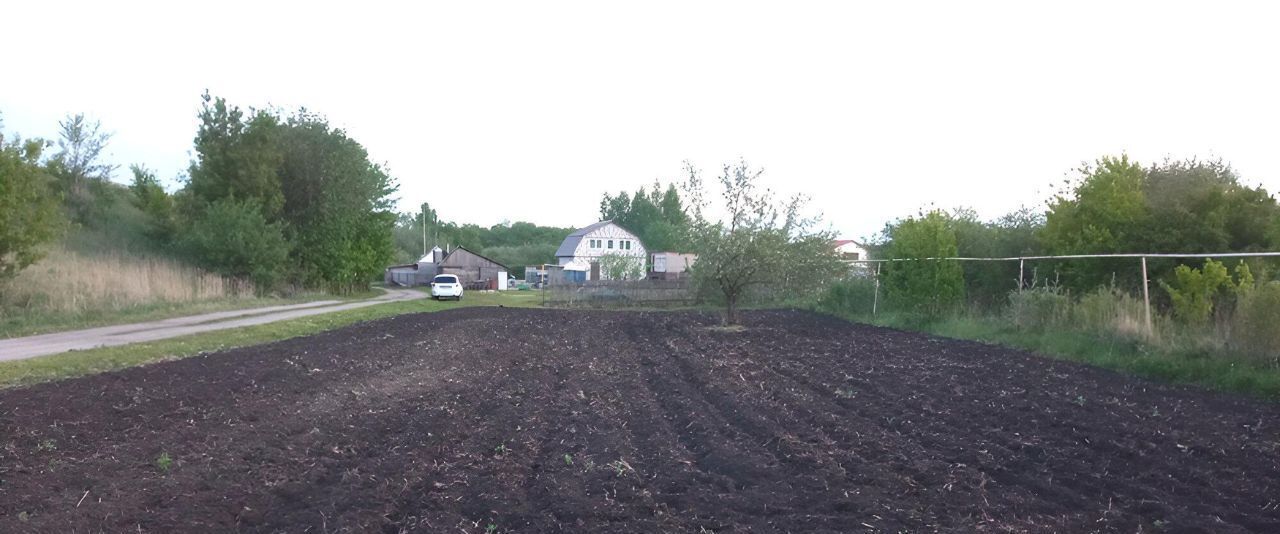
[{"x": 507, "y": 420}]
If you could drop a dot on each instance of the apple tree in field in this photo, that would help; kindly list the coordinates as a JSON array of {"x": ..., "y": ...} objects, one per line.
[{"x": 755, "y": 248}]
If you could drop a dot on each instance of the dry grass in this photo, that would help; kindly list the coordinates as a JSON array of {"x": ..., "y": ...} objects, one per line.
[{"x": 70, "y": 282}]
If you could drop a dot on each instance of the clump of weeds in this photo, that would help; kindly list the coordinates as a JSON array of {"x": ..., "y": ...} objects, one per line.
[{"x": 164, "y": 462}]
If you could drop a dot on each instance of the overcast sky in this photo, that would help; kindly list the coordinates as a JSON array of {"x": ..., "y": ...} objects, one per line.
[{"x": 530, "y": 111}]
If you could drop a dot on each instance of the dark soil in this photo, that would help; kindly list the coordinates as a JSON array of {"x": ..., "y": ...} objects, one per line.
[{"x": 538, "y": 420}]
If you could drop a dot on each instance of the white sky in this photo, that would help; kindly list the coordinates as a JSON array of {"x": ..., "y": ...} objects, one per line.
[{"x": 530, "y": 111}]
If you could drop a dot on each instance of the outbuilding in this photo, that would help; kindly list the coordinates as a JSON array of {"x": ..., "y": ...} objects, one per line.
[
  {"x": 474, "y": 270},
  {"x": 418, "y": 273}
]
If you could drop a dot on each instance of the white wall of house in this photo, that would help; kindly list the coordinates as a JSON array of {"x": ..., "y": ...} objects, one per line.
[
  {"x": 852, "y": 251},
  {"x": 608, "y": 239}
]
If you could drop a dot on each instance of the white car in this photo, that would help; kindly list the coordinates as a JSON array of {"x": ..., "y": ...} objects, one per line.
[{"x": 446, "y": 286}]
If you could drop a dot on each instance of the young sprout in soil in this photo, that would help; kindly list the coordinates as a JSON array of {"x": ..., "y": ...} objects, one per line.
[
  {"x": 24, "y": 517},
  {"x": 621, "y": 467},
  {"x": 164, "y": 462},
  {"x": 1080, "y": 400},
  {"x": 490, "y": 528},
  {"x": 47, "y": 445},
  {"x": 501, "y": 449},
  {"x": 568, "y": 459},
  {"x": 845, "y": 393}
]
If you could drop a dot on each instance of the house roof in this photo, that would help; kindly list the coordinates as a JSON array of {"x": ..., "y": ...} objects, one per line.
[
  {"x": 570, "y": 243},
  {"x": 474, "y": 253},
  {"x": 843, "y": 242}
]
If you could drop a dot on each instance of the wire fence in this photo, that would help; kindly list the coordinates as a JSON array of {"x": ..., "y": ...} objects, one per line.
[
  {"x": 1021, "y": 282},
  {"x": 619, "y": 293}
]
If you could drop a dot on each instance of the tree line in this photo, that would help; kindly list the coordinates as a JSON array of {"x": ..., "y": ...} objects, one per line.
[
  {"x": 282, "y": 199},
  {"x": 1113, "y": 205}
]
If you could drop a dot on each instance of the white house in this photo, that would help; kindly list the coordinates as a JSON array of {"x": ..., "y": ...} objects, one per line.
[
  {"x": 582, "y": 251},
  {"x": 849, "y": 249}
]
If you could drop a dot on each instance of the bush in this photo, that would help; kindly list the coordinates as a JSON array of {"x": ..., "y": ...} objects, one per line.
[
  {"x": 925, "y": 287},
  {"x": 1255, "y": 329},
  {"x": 1108, "y": 309},
  {"x": 852, "y": 296},
  {"x": 233, "y": 239},
  {"x": 1039, "y": 307}
]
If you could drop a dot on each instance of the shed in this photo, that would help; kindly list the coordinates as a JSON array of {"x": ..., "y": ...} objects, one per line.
[
  {"x": 419, "y": 273},
  {"x": 471, "y": 267}
]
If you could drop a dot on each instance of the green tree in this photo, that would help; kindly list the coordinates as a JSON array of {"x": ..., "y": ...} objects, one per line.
[
  {"x": 655, "y": 215},
  {"x": 760, "y": 244},
  {"x": 231, "y": 237},
  {"x": 336, "y": 203},
  {"x": 1104, "y": 212},
  {"x": 929, "y": 287},
  {"x": 237, "y": 157},
  {"x": 29, "y": 215},
  {"x": 78, "y": 165},
  {"x": 619, "y": 267},
  {"x": 158, "y": 206}
]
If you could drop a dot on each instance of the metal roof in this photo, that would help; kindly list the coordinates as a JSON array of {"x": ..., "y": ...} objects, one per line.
[{"x": 570, "y": 243}]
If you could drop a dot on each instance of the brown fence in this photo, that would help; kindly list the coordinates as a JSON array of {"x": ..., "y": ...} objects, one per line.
[{"x": 611, "y": 293}]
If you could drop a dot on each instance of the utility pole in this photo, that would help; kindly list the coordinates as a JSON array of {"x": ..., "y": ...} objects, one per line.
[{"x": 424, "y": 232}]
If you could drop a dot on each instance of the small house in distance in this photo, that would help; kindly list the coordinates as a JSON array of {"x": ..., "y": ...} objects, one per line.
[
  {"x": 850, "y": 250},
  {"x": 581, "y": 252},
  {"x": 419, "y": 273},
  {"x": 474, "y": 270},
  {"x": 670, "y": 265}
]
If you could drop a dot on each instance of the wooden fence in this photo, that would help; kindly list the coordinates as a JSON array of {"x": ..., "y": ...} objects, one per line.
[{"x": 616, "y": 293}]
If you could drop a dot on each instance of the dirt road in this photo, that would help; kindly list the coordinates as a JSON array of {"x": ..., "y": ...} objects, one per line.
[
  {"x": 107, "y": 336},
  {"x": 506, "y": 420}
]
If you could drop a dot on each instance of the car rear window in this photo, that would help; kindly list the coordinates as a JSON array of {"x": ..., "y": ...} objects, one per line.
[{"x": 446, "y": 279}]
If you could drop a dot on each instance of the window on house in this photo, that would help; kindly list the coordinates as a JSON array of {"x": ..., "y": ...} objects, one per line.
[{"x": 610, "y": 243}]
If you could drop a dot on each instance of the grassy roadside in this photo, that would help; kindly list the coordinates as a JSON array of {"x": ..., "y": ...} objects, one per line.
[
  {"x": 79, "y": 363},
  {"x": 19, "y": 323},
  {"x": 1200, "y": 367}
]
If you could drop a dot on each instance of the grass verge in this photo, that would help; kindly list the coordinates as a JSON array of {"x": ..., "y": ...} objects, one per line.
[
  {"x": 1195, "y": 366},
  {"x": 79, "y": 363},
  {"x": 20, "y": 323}
]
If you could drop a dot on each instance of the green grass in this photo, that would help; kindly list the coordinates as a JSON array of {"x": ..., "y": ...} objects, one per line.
[
  {"x": 79, "y": 363},
  {"x": 1187, "y": 365},
  {"x": 19, "y": 323}
]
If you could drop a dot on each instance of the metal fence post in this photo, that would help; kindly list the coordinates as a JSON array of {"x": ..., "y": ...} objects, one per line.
[
  {"x": 1021, "y": 261},
  {"x": 1146, "y": 296}
]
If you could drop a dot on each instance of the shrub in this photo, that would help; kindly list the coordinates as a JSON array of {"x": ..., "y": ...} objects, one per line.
[
  {"x": 1039, "y": 307},
  {"x": 852, "y": 296},
  {"x": 923, "y": 286},
  {"x": 1195, "y": 292},
  {"x": 1108, "y": 309},
  {"x": 232, "y": 238},
  {"x": 1255, "y": 323}
]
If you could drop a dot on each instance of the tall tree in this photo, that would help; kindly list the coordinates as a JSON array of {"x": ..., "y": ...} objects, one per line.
[
  {"x": 237, "y": 157},
  {"x": 336, "y": 202},
  {"x": 78, "y": 163},
  {"x": 1105, "y": 211},
  {"x": 28, "y": 208}
]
